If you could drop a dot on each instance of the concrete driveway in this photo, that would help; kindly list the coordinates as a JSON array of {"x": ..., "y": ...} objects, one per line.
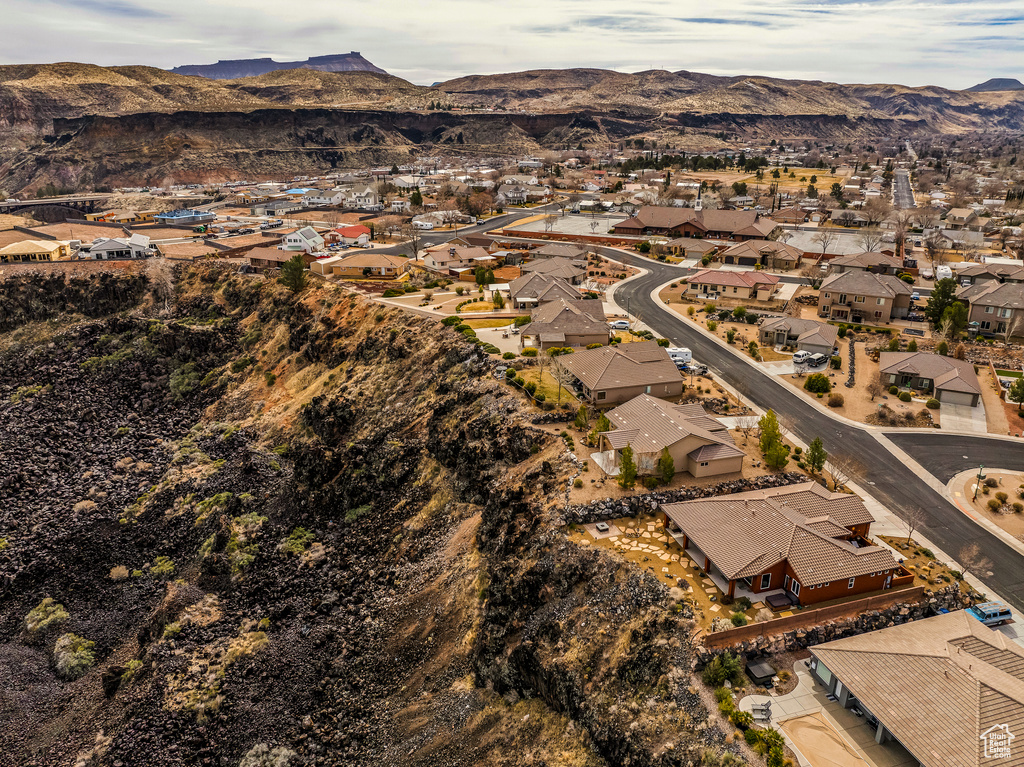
[{"x": 963, "y": 418}]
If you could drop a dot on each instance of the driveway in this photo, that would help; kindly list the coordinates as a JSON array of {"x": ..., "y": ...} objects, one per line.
[{"x": 963, "y": 418}]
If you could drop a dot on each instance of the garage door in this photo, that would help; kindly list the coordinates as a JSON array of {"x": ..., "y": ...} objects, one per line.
[{"x": 957, "y": 398}]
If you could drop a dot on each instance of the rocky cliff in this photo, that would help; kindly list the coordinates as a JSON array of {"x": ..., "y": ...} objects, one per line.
[{"x": 250, "y": 528}]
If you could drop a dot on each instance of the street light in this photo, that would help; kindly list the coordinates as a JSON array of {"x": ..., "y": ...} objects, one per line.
[{"x": 981, "y": 476}]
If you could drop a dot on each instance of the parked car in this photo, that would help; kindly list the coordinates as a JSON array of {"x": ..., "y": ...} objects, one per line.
[
  {"x": 801, "y": 357},
  {"x": 619, "y": 324},
  {"x": 817, "y": 359},
  {"x": 915, "y": 296},
  {"x": 696, "y": 369},
  {"x": 990, "y": 613}
]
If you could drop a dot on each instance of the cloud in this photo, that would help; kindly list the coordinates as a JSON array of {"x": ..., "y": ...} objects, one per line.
[{"x": 841, "y": 40}]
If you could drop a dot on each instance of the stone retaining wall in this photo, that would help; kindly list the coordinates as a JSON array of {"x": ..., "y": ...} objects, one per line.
[
  {"x": 613, "y": 508},
  {"x": 950, "y": 598}
]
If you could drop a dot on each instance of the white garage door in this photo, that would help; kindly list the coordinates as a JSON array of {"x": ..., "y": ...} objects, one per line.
[{"x": 956, "y": 398}]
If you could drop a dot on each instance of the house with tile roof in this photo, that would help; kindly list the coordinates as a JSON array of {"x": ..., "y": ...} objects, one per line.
[
  {"x": 868, "y": 261},
  {"x": 705, "y": 223},
  {"x": 998, "y": 308},
  {"x": 949, "y": 380},
  {"x": 573, "y": 272},
  {"x": 561, "y": 323},
  {"x": 531, "y": 290},
  {"x": 803, "y": 334},
  {"x": 718, "y": 283},
  {"x": 864, "y": 297},
  {"x": 614, "y": 374},
  {"x": 560, "y": 250},
  {"x": 770, "y": 254},
  {"x": 949, "y": 689},
  {"x": 698, "y": 443},
  {"x": 810, "y": 543}
]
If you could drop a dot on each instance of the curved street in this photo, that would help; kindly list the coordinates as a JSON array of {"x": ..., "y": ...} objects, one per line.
[{"x": 892, "y": 483}]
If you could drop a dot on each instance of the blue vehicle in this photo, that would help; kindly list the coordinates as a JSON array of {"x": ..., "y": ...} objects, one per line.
[{"x": 991, "y": 613}]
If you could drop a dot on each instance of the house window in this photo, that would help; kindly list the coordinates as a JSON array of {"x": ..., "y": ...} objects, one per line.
[
  {"x": 602, "y": 395},
  {"x": 795, "y": 588},
  {"x": 878, "y": 315},
  {"x": 647, "y": 390},
  {"x": 1004, "y": 313},
  {"x": 879, "y": 302},
  {"x": 705, "y": 463},
  {"x": 988, "y": 309},
  {"x": 766, "y": 580},
  {"x": 851, "y": 582},
  {"x": 985, "y": 325},
  {"x": 828, "y": 295},
  {"x": 858, "y": 299}
]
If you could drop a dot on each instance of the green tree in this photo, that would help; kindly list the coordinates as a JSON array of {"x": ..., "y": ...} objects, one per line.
[
  {"x": 667, "y": 467},
  {"x": 816, "y": 456},
  {"x": 603, "y": 424},
  {"x": 582, "y": 417},
  {"x": 942, "y": 348},
  {"x": 956, "y": 316},
  {"x": 1016, "y": 393},
  {"x": 836, "y": 192},
  {"x": 498, "y": 299},
  {"x": 739, "y": 188},
  {"x": 818, "y": 383},
  {"x": 293, "y": 274},
  {"x": 416, "y": 199},
  {"x": 627, "y": 468},
  {"x": 814, "y": 179},
  {"x": 777, "y": 457},
  {"x": 812, "y": 191},
  {"x": 943, "y": 296},
  {"x": 912, "y": 346},
  {"x": 771, "y": 434}
]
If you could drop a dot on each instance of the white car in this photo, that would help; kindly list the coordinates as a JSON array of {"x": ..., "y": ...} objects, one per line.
[
  {"x": 801, "y": 357},
  {"x": 619, "y": 325}
]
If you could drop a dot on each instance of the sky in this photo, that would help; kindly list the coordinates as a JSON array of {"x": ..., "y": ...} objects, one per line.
[{"x": 951, "y": 43}]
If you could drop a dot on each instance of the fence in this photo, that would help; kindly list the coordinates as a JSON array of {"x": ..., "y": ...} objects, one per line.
[{"x": 807, "y": 618}]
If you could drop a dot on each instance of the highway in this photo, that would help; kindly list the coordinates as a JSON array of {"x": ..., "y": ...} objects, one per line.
[{"x": 890, "y": 481}]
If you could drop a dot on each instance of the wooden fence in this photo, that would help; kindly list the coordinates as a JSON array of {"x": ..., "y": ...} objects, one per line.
[{"x": 808, "y": 618}]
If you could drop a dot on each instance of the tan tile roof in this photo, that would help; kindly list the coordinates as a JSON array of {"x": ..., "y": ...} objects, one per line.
[
  {"x": 559, "y": 250},
  {"x": 757, "y": 248},
  {"x": 372, "y": 259},
  {"x": 864, "y": 283},
  {"x": 808, "y": 331},
  {"x": 541, "y": 287},
  {"x": 614, "y": 367},
  {"x": 936, "y": 684},
  {"x": 650, "y": 424},
  {"x": 270, "y": 254},
  {"x": 866, "y": 260},
  {"x": 945, "y": 372},
  {"x": 556, "y": 267},
  {"x": 752, "y": 279},
  {"x": 568, "y": 317},
  {"x": 1009, "y": 295},
  {"x": 747, "y": 533}
]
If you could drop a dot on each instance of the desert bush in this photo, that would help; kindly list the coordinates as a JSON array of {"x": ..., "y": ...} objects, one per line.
[
  {"x": 738, "y": 619},
  {"x": 73, "y": 656},
  {"x": 1002, "y": 497},
  {"x": 995, "y": 505},
  {"x": 894, "y": 390},
  {"x": 932, "y": 404},
  {"x": 712, "y": 326},
  {"x": 163, "y": 567},
  {"x": 835, "y": 399},
  {"x": 742, "y": 719},
  {"x": 297, "y": 541},
  {"x": 905, "y": 396},
  {"x": 991, "y": 482},
  {"x": 47, "y": 613},
  {"x": 577, "y": 483},
  {"x": 531, "y": 388},
  {"x": 1018, "y": 507},
  {"x": 836, "y": 362},
  {"x": 529, "y": 352},
  {"x": 508, "y": 356}
]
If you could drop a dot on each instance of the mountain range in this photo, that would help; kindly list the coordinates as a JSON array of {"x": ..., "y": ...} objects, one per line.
[{"x": 79, "y": 124}]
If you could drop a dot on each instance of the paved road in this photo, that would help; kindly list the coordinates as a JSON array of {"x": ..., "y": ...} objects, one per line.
[
  {"x": 891, "y": 482},
  {"x": 903, "y": 194}
]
